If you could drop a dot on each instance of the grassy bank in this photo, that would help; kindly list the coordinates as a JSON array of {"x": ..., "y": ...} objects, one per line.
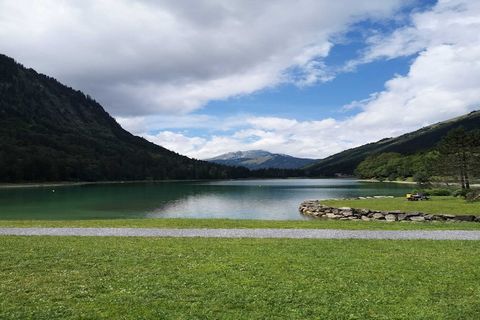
[
  {"x": 228, "y": 224},
  {"x": 436, "y": 205},
  {"x": 132, "y": 278}
]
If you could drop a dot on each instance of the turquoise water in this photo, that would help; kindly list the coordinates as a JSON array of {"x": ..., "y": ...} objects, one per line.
[{"x": 235, "y": 199}]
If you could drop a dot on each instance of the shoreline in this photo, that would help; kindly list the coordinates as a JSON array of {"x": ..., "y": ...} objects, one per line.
[
  {"x": 386, "y": 181},
  {"x": 81, "y": 183},
  {"x": 437, "y": 184}
]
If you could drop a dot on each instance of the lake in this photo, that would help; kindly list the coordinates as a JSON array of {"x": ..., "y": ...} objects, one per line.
[{"x": 276, "y": 199}]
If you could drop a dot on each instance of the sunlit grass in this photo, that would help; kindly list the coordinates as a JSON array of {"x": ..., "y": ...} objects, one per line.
[
  {"x": 157, "y": 278},
  {"x": 438, "y": 205},
  {"x": 228, "y": 224}
]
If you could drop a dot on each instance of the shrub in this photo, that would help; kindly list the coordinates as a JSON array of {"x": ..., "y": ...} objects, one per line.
[
  {"x": 473, "y": 195},
  {"x": 460, "y": 193},
  {"x": 434, "y": 191},
  {"x": 440, "y": 192}
]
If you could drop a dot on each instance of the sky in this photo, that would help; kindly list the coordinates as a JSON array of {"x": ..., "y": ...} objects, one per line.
[{"x": 307, "y": 78}]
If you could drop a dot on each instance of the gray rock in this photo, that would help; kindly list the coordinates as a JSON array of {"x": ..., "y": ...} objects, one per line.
[
  {"x": 448, "y": 216},
  {"x": 333, "y": 216},
  {"x": 465, "y": 218},
  {"x": 417, "y": 218},
  {"x": 345, "y": 208},
  {"x": 347, "y": 213},
  {"x": 391, "y": 217},
  {"x": 401, "y": 216},
  {"x": 378, "y": 215},
  {"x": 395, "y": 212},
  {"x": 365, "y": 218},
  {"x": 413, "y": 214},
  {"x": 364, "y": 211}
]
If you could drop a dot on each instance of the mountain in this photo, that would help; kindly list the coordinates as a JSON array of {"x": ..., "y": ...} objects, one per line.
[
  {"x": 259, "y": 159},
  {"x": 345, "y": 162},
  {"x": 50, "y": 132}
]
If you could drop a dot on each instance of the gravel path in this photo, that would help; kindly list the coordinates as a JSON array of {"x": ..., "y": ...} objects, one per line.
[{"x": 248, "y": 233}]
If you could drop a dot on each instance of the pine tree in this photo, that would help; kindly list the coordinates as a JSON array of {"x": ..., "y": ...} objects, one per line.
[{"x": 459, "y": 155}]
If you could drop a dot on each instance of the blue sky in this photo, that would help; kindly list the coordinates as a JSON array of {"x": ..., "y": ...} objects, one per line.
[{"x": 308, "y": 78}]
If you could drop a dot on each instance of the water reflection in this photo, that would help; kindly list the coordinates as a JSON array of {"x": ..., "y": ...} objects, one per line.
[{"x": 239, "y": 199}]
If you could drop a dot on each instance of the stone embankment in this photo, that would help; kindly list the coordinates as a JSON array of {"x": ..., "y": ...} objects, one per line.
[{"x": 316, "y": 209}]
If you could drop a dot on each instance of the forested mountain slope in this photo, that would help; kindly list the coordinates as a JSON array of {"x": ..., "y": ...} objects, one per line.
[
  {"x": 50, "y": 132},
  {"x": 423, "y": 139}
]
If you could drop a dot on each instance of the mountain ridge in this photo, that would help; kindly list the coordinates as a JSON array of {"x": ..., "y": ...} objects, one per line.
[
  {"x": 51, "y": 132},
  {"x": 423, "y": 139},
  {"x": 260, "y": 159}
]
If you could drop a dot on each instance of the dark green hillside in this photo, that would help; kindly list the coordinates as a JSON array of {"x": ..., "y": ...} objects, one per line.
[
  {"x": 50, "y": 132},
  {"x": 424, "y": 139}
]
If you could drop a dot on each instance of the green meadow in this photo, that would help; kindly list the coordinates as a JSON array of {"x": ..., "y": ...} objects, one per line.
[{"x": 160, "y": 278}]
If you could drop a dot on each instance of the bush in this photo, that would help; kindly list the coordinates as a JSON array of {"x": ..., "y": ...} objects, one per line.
[
  {"x": 440, "y": 192},
  {"x": 473, "y": 195},
  {"x": 460, "y": 193},
  {"x": 434, "y": 192}
]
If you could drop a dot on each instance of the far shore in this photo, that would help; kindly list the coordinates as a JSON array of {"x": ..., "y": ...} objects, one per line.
[
  {"x": 375, "y": 180},
  {"x": 450, "y": 184},
  {"x": 81, "y": 183}
]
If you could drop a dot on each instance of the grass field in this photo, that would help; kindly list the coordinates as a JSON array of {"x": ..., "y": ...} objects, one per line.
[
  {"x": 138, "y": 278},
  {"x": 439, "y": 205},
  {"x": 228, "y": 224}
]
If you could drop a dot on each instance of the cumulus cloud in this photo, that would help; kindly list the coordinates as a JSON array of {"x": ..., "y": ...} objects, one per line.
[
  {"x": 172, "y": 57},
  {"x": 442, "y": 82}
]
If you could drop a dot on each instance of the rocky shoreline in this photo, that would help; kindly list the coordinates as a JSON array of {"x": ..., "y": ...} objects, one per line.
[{"x": 314, "y": 208}]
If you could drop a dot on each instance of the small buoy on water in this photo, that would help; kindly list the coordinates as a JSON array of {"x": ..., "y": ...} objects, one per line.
[{"x": 53, "y": 190}]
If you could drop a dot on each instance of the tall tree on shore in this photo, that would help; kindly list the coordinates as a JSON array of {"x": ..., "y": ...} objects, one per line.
[{"x": 460, "y": 155}]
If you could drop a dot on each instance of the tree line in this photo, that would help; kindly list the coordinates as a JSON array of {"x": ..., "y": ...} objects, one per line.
[{"x": 455, "y": 158}]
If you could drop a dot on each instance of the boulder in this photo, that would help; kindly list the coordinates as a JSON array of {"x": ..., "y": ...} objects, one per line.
[
  {"x": 365, "y": 218},
  {"x": 417, "y": 218},
  {"x": 390, "y": 217},
  {"x": 363, "y": 211},
  {"x": 378, "y": 216},
  {"x": 465, "y": 218},
  {"x": 448, "y": 216},
  {"x": 395, "y": 212},
  {"x": 347, "y": 213},
  {"x": 413, "y": 214},
  {"x": 401, "y": 216},
  {"x": 332, "y": 216}
]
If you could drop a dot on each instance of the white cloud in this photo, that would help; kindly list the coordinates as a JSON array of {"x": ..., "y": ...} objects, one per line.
[
  {"x": 442, "y": 83},
  {"x": 172, "y": 57},
  {"x": 177, "y": 142}
]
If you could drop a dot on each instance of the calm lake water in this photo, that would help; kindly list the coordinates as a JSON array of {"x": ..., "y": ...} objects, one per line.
[{"x": 237, "y": 199}]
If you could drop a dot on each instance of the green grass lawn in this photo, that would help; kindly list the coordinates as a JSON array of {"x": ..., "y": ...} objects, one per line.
[
  {"x": 228, "y": 224},
  {"x": 439, "y": 205},
  {"x": 158, "y": 278}
]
